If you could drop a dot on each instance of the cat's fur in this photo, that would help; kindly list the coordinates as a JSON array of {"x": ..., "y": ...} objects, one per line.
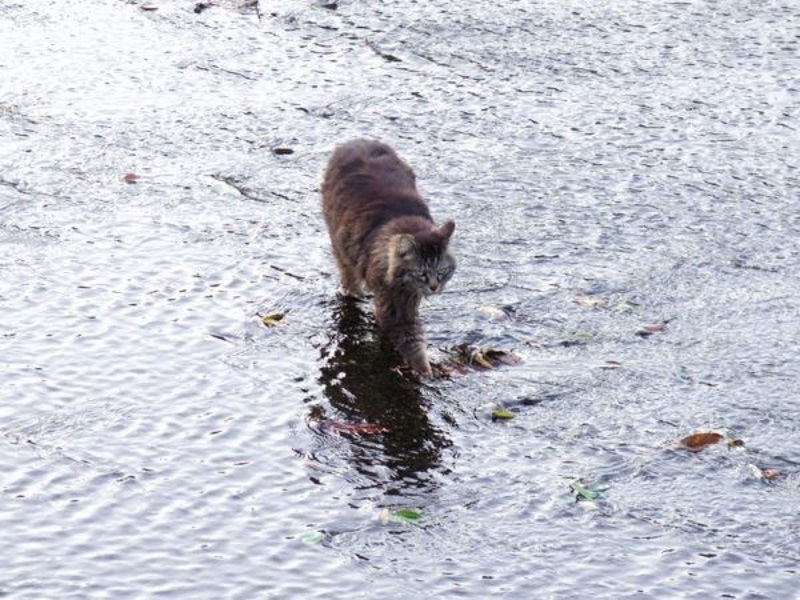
[{"x": 384, "y": 239}]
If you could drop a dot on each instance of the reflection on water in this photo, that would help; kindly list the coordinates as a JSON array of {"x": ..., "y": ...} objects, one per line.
[{"x": 362, "y": 384}]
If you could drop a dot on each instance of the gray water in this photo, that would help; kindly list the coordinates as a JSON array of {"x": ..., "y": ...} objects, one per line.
[{"x": 609, "y": 165}]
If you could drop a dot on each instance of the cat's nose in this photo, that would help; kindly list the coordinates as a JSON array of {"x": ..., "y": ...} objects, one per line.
[{"x": 434, "y": 286}]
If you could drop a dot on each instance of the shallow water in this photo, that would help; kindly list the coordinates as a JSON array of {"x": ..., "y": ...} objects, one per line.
[{"x": 609, "y": 167}]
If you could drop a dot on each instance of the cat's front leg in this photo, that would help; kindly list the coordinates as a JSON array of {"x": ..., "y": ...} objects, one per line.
[
  {"x": 398, "y": 318},
  {"x": 418, "y": 359}
]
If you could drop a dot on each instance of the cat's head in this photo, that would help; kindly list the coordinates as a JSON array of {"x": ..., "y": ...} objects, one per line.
[{"x": 421, "y": 260}]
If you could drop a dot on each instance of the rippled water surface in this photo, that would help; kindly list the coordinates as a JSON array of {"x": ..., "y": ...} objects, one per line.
[{"x": 624, "y": 178}]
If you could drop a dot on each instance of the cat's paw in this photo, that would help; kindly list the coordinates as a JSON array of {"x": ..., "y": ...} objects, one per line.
[{"x": 423, "y": 369}]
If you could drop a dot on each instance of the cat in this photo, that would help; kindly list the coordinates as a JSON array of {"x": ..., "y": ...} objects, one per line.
[{"x": 384, "y": 240}]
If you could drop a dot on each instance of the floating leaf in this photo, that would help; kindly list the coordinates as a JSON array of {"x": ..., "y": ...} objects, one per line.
[
  {"x": 766, "y": 474},
  {"x": 312, "y": 539},
  {"x": 734, "y": 443},
  {"x": 131, "y": 178},
  {"x": 649, "y": 330},
  {"x": 272, "y": 319},
  {"x": 282, "y": 151},
  {"x": 575, "y": 338},
  {"x": 583, "y": 491},
  {"x": 502, "y": 414},
  {"x": 771, "y": 474},
  {"x": 625, "y": 306},
  {"x": 699, "y": 441},
  {"x": 407, "y": 515},
  {"x": 464, "y": 355}
]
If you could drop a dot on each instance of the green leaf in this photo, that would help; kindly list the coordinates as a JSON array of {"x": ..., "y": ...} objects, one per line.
[
  {"x": 575, "y": 337},
  {"x": 583, "y": 492},
  {"x": 407, "y": 515},
  {"x": 502, "y": 414},
  {"x": 312, "y": 539},
  {"x": 625, "y": 306}
]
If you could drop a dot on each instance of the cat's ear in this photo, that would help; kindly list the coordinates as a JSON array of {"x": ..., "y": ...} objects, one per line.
[
  {"x": 446, "y": 230},
  {"x": 405, "y": 246}
]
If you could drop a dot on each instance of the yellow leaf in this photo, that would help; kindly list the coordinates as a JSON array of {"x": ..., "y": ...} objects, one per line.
[{"x": 272, "y": 319}]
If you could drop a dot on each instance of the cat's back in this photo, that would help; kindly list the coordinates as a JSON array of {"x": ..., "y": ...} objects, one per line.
[
  {"x": 367, "y": 172},
  {"x": 363, "y": 160}
]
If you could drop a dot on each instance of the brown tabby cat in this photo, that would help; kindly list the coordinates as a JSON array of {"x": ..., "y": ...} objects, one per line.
[{"x": 384, "y": 239}]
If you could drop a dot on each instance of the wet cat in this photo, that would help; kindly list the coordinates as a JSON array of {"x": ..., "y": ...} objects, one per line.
[{"x": 384, "y": 240}]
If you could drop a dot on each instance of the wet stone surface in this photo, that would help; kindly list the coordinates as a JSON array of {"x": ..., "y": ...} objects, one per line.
[{"x": 624, "y": 178}]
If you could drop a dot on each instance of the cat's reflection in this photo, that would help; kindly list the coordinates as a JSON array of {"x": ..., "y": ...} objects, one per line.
[{"x": 380, "y": 411}]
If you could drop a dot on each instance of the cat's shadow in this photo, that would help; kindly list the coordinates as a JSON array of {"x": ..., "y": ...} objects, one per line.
[{"x": 375, "y": 405}]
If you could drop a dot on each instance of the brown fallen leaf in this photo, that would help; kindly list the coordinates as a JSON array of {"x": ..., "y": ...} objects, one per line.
[
  {"x": 131, "y": 178},
  {"x": 649, "y": 330},
  {"x": 766, "y": 474},
  {"x": 464, "y": 355},
  {"x": 771, "y": 474},
  {"x": 699, "y": 441}
]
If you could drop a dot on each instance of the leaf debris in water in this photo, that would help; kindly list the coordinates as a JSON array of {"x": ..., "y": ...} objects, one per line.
[
  {"x": 465, "y": 355},
  {"x": 400, "y": 515},
  {"x": 272, "y": 319},
  {"x": 649, "y": 330},
  {"x": 625, "y": 306},
  {"x": 698, "y": 441},
  {"x": 312, "y": 539},
  {"x": 767, "y": 474},
  {"x": 583, "y": 491},
  {"x": 575, "y": 338},
  {"x": 502, "y": 414}
]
